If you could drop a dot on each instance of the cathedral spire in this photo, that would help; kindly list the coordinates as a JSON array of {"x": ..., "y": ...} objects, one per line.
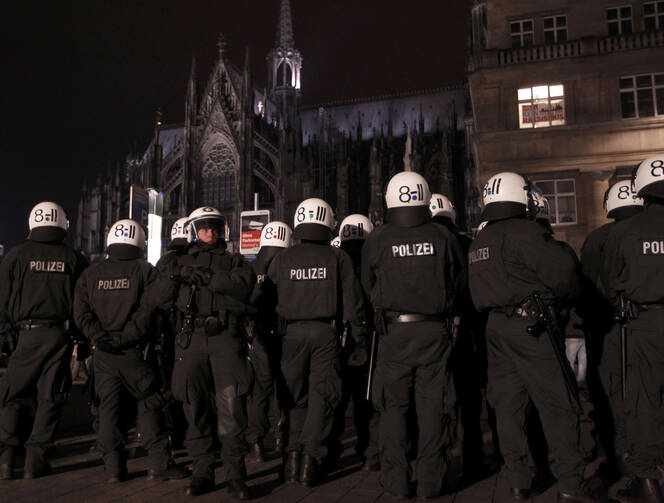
[{"x": 285, "y": 38}]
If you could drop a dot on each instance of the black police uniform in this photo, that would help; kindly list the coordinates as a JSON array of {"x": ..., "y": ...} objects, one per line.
[
  {"x": 413, "y": 275},
  {"x": 212, "y": 369},
  {"x": 633, "y": 265},
  {"x": 37, "y": 282},
  {"x": 603, "y": 348},
  {"x": 316, "y": 286},
  {"x": 113, "y": 306},
  {"x": 354, "y": 375},
  {"x": 264, "y": 349},
  {"x": 510, "y": 260},
  {"x": 468, "y": 365},
  {"x": 163, "y": 357}
]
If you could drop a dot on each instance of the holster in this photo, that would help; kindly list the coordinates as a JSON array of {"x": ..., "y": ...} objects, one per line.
[{"x": 183, "y": 337}]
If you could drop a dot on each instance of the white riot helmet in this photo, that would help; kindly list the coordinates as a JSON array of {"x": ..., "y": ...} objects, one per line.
[
  {"x": 48, "y": 222},
  {"x": 180, "y": 229},
  {"x": 407, "y": 198},
  {"x": 314, "y": 220},
  {"x": 336, "y": 242},
  {"x": 204, "y": 218},
  {"x": 441, "y": 206},
  {"x": 541, "y": 208},
  {"x": 355, "y": 226},
  {"x": 125, "y": 234},
  {"x": 407, "y": 189},
  {"x": 621, "y": 195},
  {"x": 276, "y": 234},
  {"x": 505, "y": 195},
  {"x": 648, "y": 179}
]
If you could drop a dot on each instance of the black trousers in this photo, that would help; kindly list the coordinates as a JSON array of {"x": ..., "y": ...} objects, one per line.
[
  {"x": 115, "y": 375},
  {"x": 310, "y": 367},
  {"x": 213, "y": 373},
  {"x": 644, "y": 416},
  {"x": 411, "y": 366},
  {"x": 258, "y": 402},
  {"x": 523, "y": 368},
  {"x": 37, "y": 369}
]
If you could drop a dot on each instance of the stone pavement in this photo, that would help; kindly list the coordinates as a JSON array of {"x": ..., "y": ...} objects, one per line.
[{"x": 79, "y": 475}]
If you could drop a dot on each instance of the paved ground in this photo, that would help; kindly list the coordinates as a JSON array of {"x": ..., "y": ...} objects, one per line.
[{"x": 79, "y": 477}]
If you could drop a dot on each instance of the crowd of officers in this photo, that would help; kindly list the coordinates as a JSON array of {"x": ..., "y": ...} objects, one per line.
[{"x": 411, "y": 321}]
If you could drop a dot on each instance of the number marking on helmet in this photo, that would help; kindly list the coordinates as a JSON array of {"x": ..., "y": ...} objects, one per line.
[
  {"x": 406, "y": 194},
  {"x": 657, "y": 167}
]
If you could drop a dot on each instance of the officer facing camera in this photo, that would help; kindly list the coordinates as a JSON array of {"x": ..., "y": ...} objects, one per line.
[{"x": 212, "y": 292}]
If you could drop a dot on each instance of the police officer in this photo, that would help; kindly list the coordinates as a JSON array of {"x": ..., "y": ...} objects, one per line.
[
  {"x": 603, "y": 334},
  {"x": 210, "y": 365},
  {"x": 37, "y": 282},
  {"x": 633, "y": 268},
  {"x": 264, "y": 344},
  {"x": 113, "y": 306},
  {"x": 353, "y": 231},
  {"x": 413, "y": 270},
  {"x": 468, "y": 357},
  {"x": 317, "y": 290},
  {"x": 510, "y": 261}
]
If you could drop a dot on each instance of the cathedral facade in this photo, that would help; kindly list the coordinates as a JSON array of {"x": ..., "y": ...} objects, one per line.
[{"x": 238, "y": 139}]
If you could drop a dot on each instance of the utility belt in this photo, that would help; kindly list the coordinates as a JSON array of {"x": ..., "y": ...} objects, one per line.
[
  {"x": 631, "y": 310},
  {"x": 31, "y": 324},
  {"x": 526, "y": 310},
  {"x": 397, "y": 317},
  {"x": 214, "y": 325}
]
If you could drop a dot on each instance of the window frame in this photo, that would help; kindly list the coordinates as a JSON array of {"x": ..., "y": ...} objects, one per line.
[
  {"x": 534, "y": 102},
  {"x": 555, "y": 29},
  {"x": 553, "y": 198},
  {"x": 521, "y": 33},
  {"x": 634, "y": 91},
  {"x": 619, "y": 19},
  {"x": 656, "y": 15}
]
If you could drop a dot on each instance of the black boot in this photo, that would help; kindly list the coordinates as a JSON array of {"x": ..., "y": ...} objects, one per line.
[
  {"x": 200, "y": 485},
  {"x": 170, "y": 473},
  {"x": 309, "y": 472},
  {"x": 238, "y": 489},
  {"x": 292, "y": 467},
  {"x": 641, "y": 491}
]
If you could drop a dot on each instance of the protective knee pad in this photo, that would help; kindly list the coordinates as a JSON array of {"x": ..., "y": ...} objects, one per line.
[{"x": 231, "y": 412}]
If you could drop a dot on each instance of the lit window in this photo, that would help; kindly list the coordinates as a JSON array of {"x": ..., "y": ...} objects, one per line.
[
  {"x": 561, "y": 195},
  {"x": 522, "y": 33},
  {"x": 653, "y": 15},
  {"x": 555, "y": 29},
  {"x": 541, "y": 106},
  {"x": 642, "y": 95},
  {"x": 620, "y": 20}
]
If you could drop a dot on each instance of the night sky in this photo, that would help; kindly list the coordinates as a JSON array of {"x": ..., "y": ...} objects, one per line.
[{"x": 81, "y": 80}]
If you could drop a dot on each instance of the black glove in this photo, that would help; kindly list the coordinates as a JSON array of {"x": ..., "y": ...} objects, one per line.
[
  {"x": 104, "y": 342},
  {"x": 196, "y": 275}
]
